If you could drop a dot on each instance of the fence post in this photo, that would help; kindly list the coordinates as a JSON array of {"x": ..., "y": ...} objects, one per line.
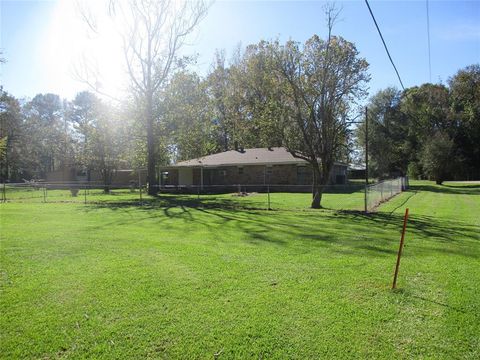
[
  {"x": 365, "y": 199},
  {"x": 198, "y": 192},
  {"x": 268, "y": 191}
]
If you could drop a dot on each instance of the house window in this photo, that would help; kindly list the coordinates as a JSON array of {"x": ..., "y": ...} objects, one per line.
[
  {"x": 240, "y": 171},
  {"x": 303, "y": 173},
  {"x": 81, "y": 172},
  {"x": 222, "y": 172},
  {"x": 164, "y": 178},
  {"x": 269, "y": 170}
]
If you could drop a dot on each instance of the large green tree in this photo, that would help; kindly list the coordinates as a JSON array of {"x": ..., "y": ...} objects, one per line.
[
  {"x": 465, "y": 104},
  {"x": 424, "y": 122},
  {"x": 388, "y": 131},
  {"x": 46, "y": 134},
  {"x": 322, "y": 80},
  {"x": 224, "y": 87},
  {"x": 436, "y": 156},
  {"x": 264, "y": 95},
  {"x": 101, "y": 136},
  {"x": 427, "y": 108},
  {"x": 10, "y": 137},
  {"x": 188, "y": 117},
  {"x": 84, "y": 113}
]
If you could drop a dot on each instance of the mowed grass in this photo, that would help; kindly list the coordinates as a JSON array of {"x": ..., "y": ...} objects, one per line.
[
  {"x": 339, "y": 198},
  {"x": 179, "y": 278}
]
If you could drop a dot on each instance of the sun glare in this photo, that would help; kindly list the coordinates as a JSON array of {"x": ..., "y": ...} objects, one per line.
[{"x": 74, "y": 53}]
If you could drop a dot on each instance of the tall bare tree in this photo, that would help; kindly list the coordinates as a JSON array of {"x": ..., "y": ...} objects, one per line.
[{"x": 152, "y": 32}]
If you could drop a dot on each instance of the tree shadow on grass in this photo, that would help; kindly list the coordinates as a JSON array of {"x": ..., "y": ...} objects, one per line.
[
  {"x": 348, "y": 231},
  {"x": 186, "y": 201},
  {"x": 408, "y": 293},
  {"x": 426, "y": 233},
  {"x": 472, "y": 189}
]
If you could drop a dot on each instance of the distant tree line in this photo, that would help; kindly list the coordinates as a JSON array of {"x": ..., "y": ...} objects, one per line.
[
  {"x": 303, "y": 96},
  {"x": 46, "y": 133},
  {"x": 430, "y": 131},
  {"x": 298, "y": 95}
]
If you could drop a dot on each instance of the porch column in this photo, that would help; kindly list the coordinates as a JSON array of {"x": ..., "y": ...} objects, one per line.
[{"x": 201, "y": 177}]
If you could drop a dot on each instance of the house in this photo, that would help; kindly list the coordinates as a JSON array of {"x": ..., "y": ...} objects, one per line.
[
  {"x": 357, "y": 171},
  {"x": 260, "y": 166}
]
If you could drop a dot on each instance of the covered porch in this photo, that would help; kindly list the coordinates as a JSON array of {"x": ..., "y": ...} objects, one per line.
[{"x": 174, "y": 176}]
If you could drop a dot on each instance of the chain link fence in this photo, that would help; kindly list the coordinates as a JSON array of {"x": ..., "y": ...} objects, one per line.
[
  {"x": 58, "y": 192},
  {"x": 382, "y": 191},
  {"x": 354, "y": 196}
]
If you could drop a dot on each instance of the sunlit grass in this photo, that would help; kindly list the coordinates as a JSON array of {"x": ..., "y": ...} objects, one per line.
[
  {"x": 351, "y": 200},
  {"x": 171, "y": 279}
]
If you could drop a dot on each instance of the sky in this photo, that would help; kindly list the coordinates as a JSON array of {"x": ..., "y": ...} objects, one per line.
[{"x": 45, "y": 41}]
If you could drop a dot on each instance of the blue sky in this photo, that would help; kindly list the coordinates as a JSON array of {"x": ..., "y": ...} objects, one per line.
[{"x": 31, "y": 38}]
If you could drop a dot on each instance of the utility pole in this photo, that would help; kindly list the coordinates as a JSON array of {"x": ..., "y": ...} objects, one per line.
[
  {"x": 366, "y": 161},
  {"x": 366, "y": 145}
]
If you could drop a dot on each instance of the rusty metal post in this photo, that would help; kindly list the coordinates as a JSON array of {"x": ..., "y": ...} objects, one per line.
[{"x": 397, "y": 266}]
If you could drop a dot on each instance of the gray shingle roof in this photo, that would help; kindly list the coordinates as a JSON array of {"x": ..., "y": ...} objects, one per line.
[{"x": 257, "y": 156}]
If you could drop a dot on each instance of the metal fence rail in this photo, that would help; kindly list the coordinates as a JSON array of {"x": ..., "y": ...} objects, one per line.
[{"x": 253, "y": 196}]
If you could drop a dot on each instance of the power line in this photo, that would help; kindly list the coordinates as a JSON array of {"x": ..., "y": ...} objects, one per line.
[
  {"x": 428, "y": 35},
  {"x": 384, "y": 44}
]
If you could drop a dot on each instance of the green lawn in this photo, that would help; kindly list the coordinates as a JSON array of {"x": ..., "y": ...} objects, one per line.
[
  {"x": 348, "y": 198},
  {"x": 220, "y": 278}
]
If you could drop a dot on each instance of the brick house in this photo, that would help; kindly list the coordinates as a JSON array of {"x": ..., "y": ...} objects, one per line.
[{"x": 260, "y": 166}]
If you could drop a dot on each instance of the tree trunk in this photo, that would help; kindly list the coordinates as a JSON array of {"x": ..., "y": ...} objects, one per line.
[
  {"x": 151, "y": 176},
  {"x": 6, "y": 173},
  {"x": 106, "y": 182},
  {"x": 440, "y": 178},
  {"x": 317, "y": 197},
  {"x": 317, "y": 189}
]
